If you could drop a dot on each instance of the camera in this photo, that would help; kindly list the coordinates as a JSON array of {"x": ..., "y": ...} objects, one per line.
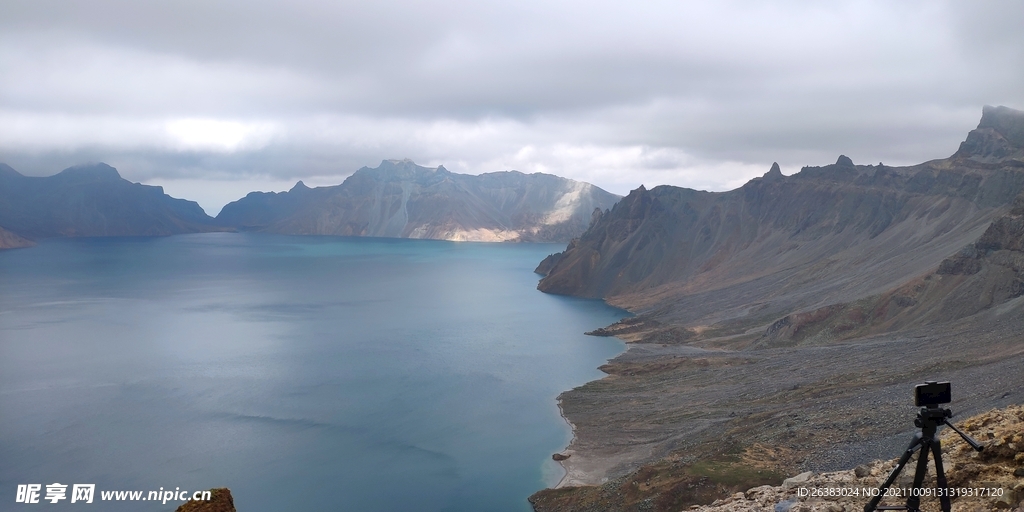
[{"x": 932, "y": 393}]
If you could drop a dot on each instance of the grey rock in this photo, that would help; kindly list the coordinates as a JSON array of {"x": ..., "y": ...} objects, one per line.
[
  {"x": 797, "y": 480},
  {"x": 786, "y": 506}
]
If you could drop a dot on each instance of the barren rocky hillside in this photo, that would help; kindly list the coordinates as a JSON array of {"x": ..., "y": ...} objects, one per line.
[{"x": 792, "y": 317}]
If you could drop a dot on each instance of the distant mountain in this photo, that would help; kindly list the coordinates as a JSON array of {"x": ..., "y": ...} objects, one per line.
[
  {"x": 93, "y": 200},
  {"x": 403, "y": 200}
]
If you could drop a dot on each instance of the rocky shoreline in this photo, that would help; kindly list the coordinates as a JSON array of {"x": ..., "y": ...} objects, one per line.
[{"x": 666, "y": 411}]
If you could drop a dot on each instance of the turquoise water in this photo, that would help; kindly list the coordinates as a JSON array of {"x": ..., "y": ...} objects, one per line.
[{"x": 305, "y": 373}]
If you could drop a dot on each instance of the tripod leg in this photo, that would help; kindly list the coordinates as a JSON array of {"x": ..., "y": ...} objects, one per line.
[
  {"x": 870, "y": 507},
  {"x": 942, "y": 485},
  {"x": 914, "y": 500}
]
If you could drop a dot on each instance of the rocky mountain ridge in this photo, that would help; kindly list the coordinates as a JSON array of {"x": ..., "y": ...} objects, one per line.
[
  {"x": 400, "y": 199},
  {"x": 818, "y": 237}
]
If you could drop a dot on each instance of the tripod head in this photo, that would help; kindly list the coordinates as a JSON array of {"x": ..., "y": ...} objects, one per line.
[
  {"x": 932, "y": 395},
  {"x": 931, "y": 416}
]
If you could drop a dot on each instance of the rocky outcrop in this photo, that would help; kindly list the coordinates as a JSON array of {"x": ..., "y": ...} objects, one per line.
[
  {"x": 10, "y": 240},
  {"x": 998, "y": 138},
  {"x": 400, "y": 199},
  {"x": 220, "y": 501},
  {"x": 93, "y": 200},
  {"x": 548, "y": 263}
]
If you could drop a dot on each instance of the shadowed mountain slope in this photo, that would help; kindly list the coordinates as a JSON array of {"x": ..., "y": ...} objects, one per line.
[
  {"x": 780, "y": 243},
  {"x": 983, "y": 275},
  {"x": 400, "y": 199},
  {"x": 93, "y": 200}
]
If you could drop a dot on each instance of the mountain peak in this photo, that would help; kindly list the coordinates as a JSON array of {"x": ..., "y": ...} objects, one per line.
[
  {"x": 407, "y": 164},
  {"x": 98, "y": 171},
  {"x": 999, "y": 136},
  {"x": 774, "y": 173},
  {"x": 844, "y": 161},
  {"x": 396, "y": 162},
  {"x": 1006, "y": 121},
  {"x": 399, "y": 170},
  {"x": 299, "y": 185}
]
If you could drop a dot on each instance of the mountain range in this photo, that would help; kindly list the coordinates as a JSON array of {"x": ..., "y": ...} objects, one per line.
[
  {"x": 397, "y": 199},
  {"x": 92, "y": 200},
  {"x": 400, "y": 199},
  {"x": 792, "y": 316},
  {"x": 820, "y": 237}
]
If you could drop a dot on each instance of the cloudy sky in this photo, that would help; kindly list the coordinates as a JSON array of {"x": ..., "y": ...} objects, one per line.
[{"x": 214, "y": 98}]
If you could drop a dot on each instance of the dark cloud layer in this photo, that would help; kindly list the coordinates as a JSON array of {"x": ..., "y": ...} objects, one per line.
[{"x": 694, "y": 94}]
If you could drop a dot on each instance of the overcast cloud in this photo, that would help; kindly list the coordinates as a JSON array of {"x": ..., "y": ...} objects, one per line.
[{"x": 212, "y": 99}]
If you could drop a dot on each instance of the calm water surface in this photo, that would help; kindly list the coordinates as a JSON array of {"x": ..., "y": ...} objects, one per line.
[{"x": 305, "y": 373}]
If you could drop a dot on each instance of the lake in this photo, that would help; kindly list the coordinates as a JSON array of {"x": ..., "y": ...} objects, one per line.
[{"x": 304, "y": 373}]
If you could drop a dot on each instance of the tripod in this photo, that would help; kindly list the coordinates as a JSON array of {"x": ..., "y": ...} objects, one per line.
[{"x": 928, "y": 420}]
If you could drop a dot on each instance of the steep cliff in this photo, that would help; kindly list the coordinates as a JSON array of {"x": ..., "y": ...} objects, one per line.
[
  {"x": 93, "y": 200},
  {"x": 403, "y": 200}
]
